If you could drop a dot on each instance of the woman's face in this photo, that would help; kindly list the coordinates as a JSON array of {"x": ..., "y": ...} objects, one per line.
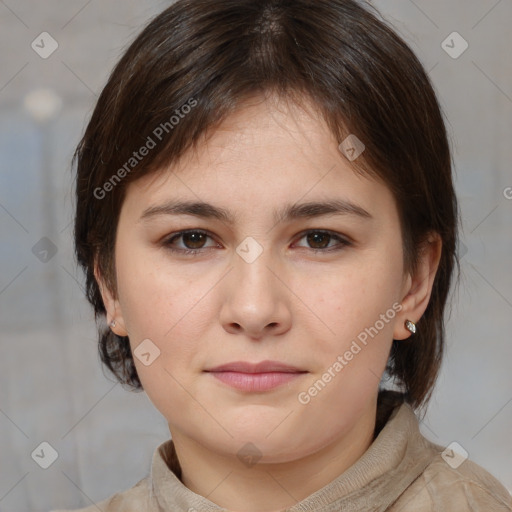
[{"x": 271, "y": 279}]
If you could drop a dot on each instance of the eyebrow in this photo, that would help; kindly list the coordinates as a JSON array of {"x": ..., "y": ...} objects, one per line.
[{"x": 287, "y": 213}]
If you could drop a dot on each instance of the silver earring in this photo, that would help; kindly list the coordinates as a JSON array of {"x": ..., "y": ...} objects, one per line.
[
  {"x": 410, "y": 326},
  {"x": 113, "y": 323}
]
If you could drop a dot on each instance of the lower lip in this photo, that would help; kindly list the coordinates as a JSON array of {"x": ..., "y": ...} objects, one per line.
[{"x": 255, "y": 381}]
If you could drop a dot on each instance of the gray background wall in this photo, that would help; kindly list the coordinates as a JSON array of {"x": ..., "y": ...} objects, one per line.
[{"x": 52, "y": 386}]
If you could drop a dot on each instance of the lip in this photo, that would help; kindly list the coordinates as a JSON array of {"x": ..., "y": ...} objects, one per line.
[
  {"x": 262, "y": 367},
  {"x": 255, "y": 377}
]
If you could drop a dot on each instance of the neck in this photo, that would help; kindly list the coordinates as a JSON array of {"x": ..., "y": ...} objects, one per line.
[{"x": 262, "y": 487}]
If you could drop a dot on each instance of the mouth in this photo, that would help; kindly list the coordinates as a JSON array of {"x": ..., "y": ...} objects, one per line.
[{"x": 258, "y": 377}]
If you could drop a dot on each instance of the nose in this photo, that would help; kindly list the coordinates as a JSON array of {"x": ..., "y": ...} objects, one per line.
[{"x": 255, "y": 300}]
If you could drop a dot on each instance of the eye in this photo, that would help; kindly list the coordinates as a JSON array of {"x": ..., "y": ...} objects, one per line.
[
  {"x": 194, "y": 241},
  {"x": 319, "y": 241}
]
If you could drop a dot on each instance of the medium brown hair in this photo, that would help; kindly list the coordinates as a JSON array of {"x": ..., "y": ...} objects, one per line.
[{"x": 212, "y": 55}]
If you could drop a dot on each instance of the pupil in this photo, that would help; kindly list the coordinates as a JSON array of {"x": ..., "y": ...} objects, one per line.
[
  {"x": 192, "y": 236},
  {"x": 315, "y": 236}
]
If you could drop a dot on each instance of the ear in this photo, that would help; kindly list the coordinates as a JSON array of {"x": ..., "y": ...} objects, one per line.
[
  {"x": 417, "y": 288},
  {"x": 112, "y": 305}
]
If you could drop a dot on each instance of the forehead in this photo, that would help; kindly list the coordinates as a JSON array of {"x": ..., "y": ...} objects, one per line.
[
  {"x": 267, "y": 127},
  {"x": 265, "y": 153}
]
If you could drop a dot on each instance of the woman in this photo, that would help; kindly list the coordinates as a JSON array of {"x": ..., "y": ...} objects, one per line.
[{"x": 267, "y": 222}]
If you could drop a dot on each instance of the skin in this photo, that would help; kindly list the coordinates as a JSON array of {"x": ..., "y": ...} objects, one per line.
[{"x": 290, "y": 305}]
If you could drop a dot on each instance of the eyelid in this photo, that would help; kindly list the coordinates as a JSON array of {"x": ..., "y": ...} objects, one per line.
[
  {"x": 178, "y": 234},
  {"x": 343, "y": 240}
]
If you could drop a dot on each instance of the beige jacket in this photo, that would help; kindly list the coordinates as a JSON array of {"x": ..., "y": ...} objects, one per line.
[{"x": 400, "y": 472}]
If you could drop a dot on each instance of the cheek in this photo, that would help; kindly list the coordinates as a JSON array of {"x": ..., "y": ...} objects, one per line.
[
  {"x": 360, "y": 308},
  {"x": 355, "y": 300},
  {"x": 154, "y": 299},
  {"x": 158, "y": 305}
]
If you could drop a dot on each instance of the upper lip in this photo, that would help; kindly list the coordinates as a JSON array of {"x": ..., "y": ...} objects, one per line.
[{"x": 262, "y": 367}]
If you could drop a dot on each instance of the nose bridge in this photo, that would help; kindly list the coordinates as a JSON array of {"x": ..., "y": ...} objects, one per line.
[
  {"x": 254, "y": 297},
  {"x": 252, "y": 264}
]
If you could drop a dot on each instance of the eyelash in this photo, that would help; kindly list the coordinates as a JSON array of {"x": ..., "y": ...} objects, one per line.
[{"x": 195, "y": 252}]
